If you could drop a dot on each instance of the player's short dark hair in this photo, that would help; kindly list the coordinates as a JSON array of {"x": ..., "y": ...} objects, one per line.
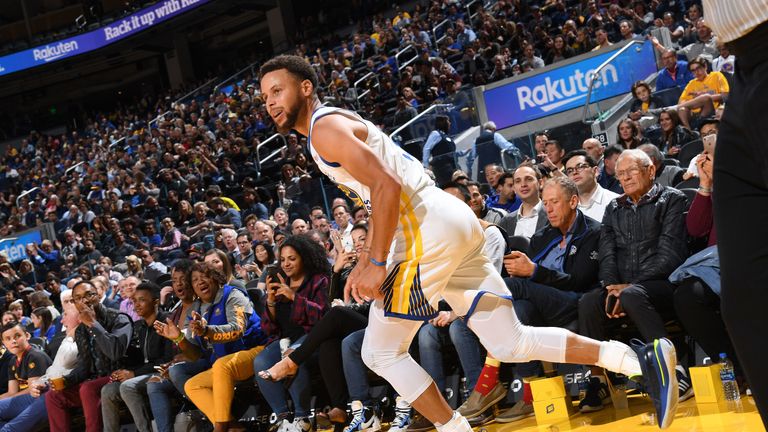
[{"x": 296, "y": 65}]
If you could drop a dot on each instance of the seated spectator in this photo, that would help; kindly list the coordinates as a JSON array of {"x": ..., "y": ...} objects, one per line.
[
  {"x": 343, "y": 223},
  {"x": 27, "y": 411},
  {"x": 225, "y": 333},
  {"x": 218, "y": 259},
  {"x": 666, "y": 175},
  {"x": 705, "y": 44},
  {"x": 296, "y": 300},
  {"x": 129, "y": 384},
  {"x": 133, "y": 267},
  {"x": 643, "y": 101},
  {"x": 507, "y": 198},
  {"x": 547, "y": 283},
  {"x": 325, "y": 338},
  {"x": 559, "y": 51},
  {"x": 24, "y": 373},
  {"x": 102, "y": 339},
  {"x": 673, "y": 136},
  {"x": 150, "y": 265},
  {"x": 43, "y": 322},
  {"x": 253, "y": 205},
  {"x": 226, "y": 217},
  {"x": 725, "y": 62},
  {"x": 121, "y": 249},
  {"x": 601, "y": 39},
  {"x": 675, "y": 72},
  {"x": 245, "y": 266},
  {"x": 551, "y": 159},
  {"x": 161, "y": 391},
  {"x": 530, "y": 216},
  {"x": 127, "y": 289},
  {"x": 702, "y": 95},
  {"x": 642, "y": 241},
  {"x": 17, "y": 309},
  {"x": 478, "y": 204},
  {"x": 172, "y": 240},
  {"x": 583, "y": 171},
  {"x": 628, "y": 134}
]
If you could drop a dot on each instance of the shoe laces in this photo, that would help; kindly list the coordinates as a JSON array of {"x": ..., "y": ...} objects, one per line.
[
  {"x": 357, "y": 419},
  {"x": 402, "y": 415}
]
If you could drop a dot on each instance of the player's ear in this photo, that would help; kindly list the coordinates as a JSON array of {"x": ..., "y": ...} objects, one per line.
[{"x": 307, "y": 88}]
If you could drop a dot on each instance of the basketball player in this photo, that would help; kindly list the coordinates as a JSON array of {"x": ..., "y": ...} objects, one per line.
[{"x": 423, "y": 245}]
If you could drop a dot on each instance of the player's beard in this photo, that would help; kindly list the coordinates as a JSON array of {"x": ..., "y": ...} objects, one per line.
[{"x": 291, "y": 115}]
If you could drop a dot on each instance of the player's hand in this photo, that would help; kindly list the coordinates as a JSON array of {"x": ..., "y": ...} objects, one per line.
[{"x": 364, "y": 282}]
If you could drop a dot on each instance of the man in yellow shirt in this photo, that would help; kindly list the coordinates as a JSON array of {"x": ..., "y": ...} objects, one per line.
[{"x": 702, "y": 95}]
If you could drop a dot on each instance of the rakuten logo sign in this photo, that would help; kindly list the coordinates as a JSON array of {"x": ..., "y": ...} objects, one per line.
[{"x": 565, "y": 88}]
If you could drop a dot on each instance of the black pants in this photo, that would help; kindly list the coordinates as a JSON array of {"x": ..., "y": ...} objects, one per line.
[
  {"x": 698, "y": 310},
  {"x": 648, "y": 305},
  {"x": 741, "y": 205},
  {"x": 325, "y": 339}
]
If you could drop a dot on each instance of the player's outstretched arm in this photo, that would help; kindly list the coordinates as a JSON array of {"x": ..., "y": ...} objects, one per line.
[{"x": 340, "y": 139}]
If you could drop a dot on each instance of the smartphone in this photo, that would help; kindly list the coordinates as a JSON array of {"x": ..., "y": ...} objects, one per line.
[
  {"x": 709, "y": 142},
  {"x": 611, "y": 304},
  {"x": 273, "y": 271}
]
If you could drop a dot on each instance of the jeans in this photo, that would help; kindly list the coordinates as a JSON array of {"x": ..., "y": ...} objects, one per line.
[
  {"x": 22, "y": 413},
  {"x": 431, "y": 341},
  {"x": 274, "y": 392},
  {"x": 541, "y": 306},
  {"x": 160, "y": 396},
  {"x": 180, "y": 373},
  {"x": 355, "y": 371},
  {"x": 133, "y": 392}
]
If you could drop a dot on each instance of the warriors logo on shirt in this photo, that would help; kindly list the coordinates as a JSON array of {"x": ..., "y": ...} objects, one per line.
[{"x": 352, "y": 195}]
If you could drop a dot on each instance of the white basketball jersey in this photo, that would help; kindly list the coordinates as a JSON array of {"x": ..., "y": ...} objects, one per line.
[{"x": 406, "y": 167}]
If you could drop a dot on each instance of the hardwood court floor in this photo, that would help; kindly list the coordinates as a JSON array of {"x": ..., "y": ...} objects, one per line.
[{"x": 690, "y": 418}]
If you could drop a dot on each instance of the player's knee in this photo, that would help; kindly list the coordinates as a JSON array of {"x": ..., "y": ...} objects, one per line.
[
  {"x": 518, "y": 352},
  {"x": 380, "y": 360}
]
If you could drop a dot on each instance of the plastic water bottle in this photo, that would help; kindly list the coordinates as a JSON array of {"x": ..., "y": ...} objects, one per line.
[
  {"x": 727, "y": 376},
  {"x": 465, "y": 391}
]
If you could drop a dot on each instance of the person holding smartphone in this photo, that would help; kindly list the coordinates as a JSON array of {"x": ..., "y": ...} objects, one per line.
[{"x": 296, "y": 300}]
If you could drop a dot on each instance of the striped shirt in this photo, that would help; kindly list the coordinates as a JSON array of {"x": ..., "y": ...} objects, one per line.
[{"x": 731, "y": 19}]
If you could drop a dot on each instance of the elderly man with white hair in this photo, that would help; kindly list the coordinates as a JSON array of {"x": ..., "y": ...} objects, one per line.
[
  {"x": 487, "y": 149},
  {"x": 642, "y": 241}
]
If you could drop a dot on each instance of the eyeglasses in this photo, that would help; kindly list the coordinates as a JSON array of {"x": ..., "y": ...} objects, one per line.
[
  {"x": 694, "y": 68},
  {"x": 578, "y": 168},
  {"x": 628, "y": 173},
  {"x": 87, "y": 296}
]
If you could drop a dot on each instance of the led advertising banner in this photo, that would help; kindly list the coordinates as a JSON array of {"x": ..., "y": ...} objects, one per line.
[
  {"x": 565, "y": 87},
  {"x": 99, "y": 38},
  {"x": 14, "y": 246}
]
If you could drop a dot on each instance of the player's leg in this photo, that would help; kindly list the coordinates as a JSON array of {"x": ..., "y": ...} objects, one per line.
[
  {"x": 385, "y": 351},
  {"x": 492, "y": 317}
]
